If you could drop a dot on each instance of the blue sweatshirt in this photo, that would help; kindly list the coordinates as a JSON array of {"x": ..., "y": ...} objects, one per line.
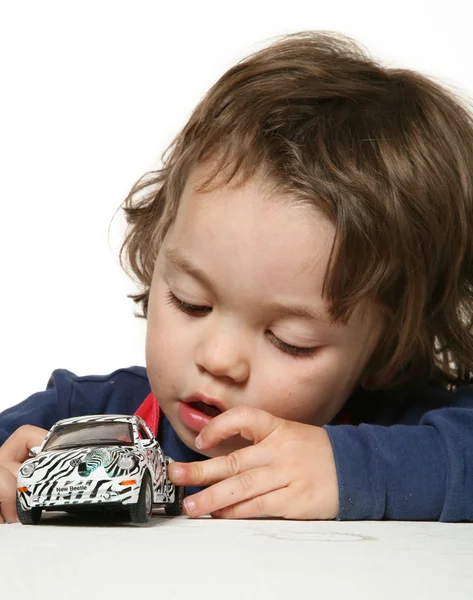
[{"x": 407, "y": 455}]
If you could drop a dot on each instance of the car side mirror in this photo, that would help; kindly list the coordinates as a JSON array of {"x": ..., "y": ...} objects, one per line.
[{"x": 34, "y": 451}]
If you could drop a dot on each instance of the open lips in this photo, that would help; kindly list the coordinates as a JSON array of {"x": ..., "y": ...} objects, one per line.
[{"x": 207, "y": 409}]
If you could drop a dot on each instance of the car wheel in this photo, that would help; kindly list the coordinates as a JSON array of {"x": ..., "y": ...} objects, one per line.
[
  {"x": 175, "y": 507},
  {"x": 141, "y": 511},
  {"x": 31, "y": 516}
]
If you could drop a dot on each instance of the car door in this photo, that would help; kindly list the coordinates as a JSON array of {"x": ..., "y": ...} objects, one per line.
[{"x": 154, "y": 459}]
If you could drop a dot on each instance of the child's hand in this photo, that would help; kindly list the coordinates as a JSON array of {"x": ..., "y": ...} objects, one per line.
[
  {"x": 7, "y": 496},
  {"x": 12, "y": 454},
  {"x": 289, "y": 471}
]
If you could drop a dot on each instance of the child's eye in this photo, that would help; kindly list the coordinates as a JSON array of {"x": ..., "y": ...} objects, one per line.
[
  {"x": 197, "y": 310},
  {"x": 294, "y": 351},
  {"x": 190, "y": 309}
]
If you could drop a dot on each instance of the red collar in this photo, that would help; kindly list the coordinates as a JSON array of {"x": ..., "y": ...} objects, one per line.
[{"x": 149, "y": 411}]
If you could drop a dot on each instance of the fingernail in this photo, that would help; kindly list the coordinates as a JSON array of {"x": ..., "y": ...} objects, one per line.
[
  {"x": 189, "y": 505},
  {"x": 176, "y": 471},
  {"x": 198, "y": 441}
]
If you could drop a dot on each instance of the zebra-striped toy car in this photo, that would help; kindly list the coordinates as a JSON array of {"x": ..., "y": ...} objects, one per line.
[{"x": 97, "y": 462}]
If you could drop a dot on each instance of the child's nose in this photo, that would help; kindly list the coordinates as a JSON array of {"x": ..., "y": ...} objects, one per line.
[{"x": 223, "y": 355}]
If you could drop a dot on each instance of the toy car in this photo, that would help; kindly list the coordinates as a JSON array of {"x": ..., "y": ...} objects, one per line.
[{"x": 105, "y": 462}]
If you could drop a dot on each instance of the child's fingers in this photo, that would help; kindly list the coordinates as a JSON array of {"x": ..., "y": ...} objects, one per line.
[
  {"x": 252, "y": 424},
  {"x": 272, "y": 504},
  {"x": 9, "y": 511},
  {"x": 12, "y": 466},
  {"x": 245, "y": 486},
  {"x": 8, "y": 495},
  {"x": 207, "y": 472},
  {"x": 18, "y": 445}
]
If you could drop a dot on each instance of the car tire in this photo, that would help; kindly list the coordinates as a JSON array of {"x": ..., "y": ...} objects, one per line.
[
  {"x": 174, "y": 508},
  {"x": 142, "y": 511},
  {"x": 31, "y": 516}
]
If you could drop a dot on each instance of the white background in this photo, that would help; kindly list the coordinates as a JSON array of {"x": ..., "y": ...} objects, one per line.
[{"x": 91, "y": 94}]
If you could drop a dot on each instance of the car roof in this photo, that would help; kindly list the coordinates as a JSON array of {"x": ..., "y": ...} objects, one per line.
[{"x": 102, "y": 419}]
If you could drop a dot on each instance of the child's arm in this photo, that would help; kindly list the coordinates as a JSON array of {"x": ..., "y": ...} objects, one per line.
[
  {"x": 407, "y": 472},
  {"x": 42, "y": 409}
]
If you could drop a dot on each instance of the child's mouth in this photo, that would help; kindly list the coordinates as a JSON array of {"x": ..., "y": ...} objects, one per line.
[
  {"x": 196, "y": 415},
  {"x": 207, "y": 409}
]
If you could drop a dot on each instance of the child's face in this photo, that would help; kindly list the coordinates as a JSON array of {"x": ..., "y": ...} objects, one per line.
[{"x": 254, "y": 251}]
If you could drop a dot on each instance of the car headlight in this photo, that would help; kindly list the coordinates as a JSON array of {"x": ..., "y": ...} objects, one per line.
[
  {"x": 126, "y": 462},
  {"x": 28, "y": 469}
]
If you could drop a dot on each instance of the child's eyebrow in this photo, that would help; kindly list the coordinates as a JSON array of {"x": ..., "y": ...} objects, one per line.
[
  {"x": 174, "y": 256},
  {"x": 179, "y": 261},
  {"x": 307, "y": 312}
]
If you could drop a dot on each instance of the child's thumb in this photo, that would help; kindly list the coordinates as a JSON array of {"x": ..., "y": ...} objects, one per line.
[
  {"x": 18, "y": 445},
  {"x": 8, "y": 495}
]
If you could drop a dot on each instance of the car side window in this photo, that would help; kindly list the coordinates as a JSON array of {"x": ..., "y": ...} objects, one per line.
[{"x": 143, "y": 433}]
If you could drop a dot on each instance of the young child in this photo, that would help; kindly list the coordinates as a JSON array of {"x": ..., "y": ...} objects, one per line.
[{"x": 307, "y": 278}]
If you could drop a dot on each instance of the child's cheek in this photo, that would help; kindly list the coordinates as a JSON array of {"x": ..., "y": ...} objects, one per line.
[
  {"x": 280, "y": 397},
  {"x": 167, "y": 343},
  {"x": 301, "y": 399}
]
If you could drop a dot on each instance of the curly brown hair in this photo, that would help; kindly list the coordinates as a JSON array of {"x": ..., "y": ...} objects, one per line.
[{"x": 385, "y": 153}]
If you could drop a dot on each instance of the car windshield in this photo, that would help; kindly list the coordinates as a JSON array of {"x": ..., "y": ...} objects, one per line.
[{"x": 112, "y": 433}]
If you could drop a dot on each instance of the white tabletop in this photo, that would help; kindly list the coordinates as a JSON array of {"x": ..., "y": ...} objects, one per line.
[{"x": 176, "y": 557}]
